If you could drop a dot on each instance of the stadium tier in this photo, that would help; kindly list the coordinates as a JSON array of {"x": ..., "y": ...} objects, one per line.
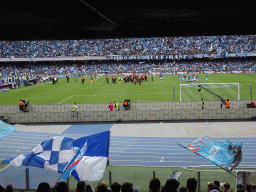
[{"x": 241, "y": 45}]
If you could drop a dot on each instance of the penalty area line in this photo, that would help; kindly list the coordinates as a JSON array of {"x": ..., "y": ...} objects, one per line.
[{"x": 66, "y": 99}]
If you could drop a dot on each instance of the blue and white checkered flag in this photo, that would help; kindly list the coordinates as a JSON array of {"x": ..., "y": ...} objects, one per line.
[{"x": 53, "y": 154}]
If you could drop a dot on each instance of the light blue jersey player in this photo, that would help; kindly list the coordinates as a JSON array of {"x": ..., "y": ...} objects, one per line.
[
  {"x": 206, "y": 78},
  {"x": 179, "y": 78}
]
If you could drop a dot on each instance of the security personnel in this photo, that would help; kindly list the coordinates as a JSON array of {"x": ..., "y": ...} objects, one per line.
[
  {"x": 116, "y": 106},
  {"x": 202, "y": 103},
  {"x": 125, "y": 104},
  {"x": 21, "y": 104},
  {"x": 75, "y": 107},
  {"x": 227, "y": 104}
]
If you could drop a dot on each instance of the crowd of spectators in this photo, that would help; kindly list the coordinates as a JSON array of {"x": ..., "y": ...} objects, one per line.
[
  {"x": 128, "y": 46},
  {"x": 125, "y": 66},
  {"x": 171, "y": 185}
]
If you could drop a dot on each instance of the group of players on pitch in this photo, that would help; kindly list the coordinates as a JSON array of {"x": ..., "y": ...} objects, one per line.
[{"x": 131, "y": 78}]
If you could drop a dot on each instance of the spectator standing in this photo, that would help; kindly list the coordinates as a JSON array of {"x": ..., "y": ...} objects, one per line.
[
  {"x": 102, "y": 187},
  {"x": 171, "y": 185},
  {"x": 154, "y": 185},
  {"x": 9, "y": 188},
  {"x": 191, "y": 184},
  {"x": 61, "y": 187},
  {"x": 111, "y": 107},
  {"x": 43, "y": 187},
  {"x": 127, "y": 187},
  {"x": 116, "y": 187},
  {"x": 81, "y": 186}
]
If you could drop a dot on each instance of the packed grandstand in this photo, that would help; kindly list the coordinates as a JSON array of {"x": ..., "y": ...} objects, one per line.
[{"x": 129, "y": 46}]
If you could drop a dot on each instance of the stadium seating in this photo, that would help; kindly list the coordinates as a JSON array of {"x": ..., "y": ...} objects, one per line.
[{"x": 129, "y": 46}]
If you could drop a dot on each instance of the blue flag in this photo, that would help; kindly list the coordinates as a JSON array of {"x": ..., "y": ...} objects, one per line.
[
  {"x": 223, "y": 154},
  {"x": 78, "y": 157},
  {"x": 53, "y": 154}
]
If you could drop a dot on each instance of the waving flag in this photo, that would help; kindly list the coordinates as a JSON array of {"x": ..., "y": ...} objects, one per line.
[
  {"x": 78, "y": 157},
  {"x": 223, "y": 154},
  {"x": 94, "y": 162},
  {"x": 53, "y": 154},
  {"x": 85, "y": 158}
]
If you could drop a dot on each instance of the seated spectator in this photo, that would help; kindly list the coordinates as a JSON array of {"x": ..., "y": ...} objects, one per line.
[
  {"x": 191, "y": 184},
  {"x": 171, "y": 185},
  {"x": 154, "y": 185},
  {"x": 43, "y": 187},
  {"x": 62, "y": 187},
  {"x": 116, "y": 187},
  {"x": 9, "y": 188},
  {"x": 127, "y": 187},
  {"x": 81, "y": 186}
]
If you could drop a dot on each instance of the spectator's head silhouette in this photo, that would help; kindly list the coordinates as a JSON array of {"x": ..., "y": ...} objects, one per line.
[
  {"x": 154, "y": 185},
  {"x": 43, "y": 187},
  {"x": 116, "y": 187},
  {"x": 61, "y": 187},
  {"x": 9, "y": 188},
  {"x": 191, "y": 184},
  {"x": 171, "y": 185},
  {"x": 81, "y": 186},
  {"x": 127, "y": 187}
]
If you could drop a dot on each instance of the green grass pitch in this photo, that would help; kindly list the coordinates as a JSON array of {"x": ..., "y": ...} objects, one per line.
[
  {"x": 100, "y": 92},
  {"x": 141, "y": 176}
]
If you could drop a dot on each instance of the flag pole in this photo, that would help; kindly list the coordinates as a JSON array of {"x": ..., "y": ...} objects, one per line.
[
  {"x": 70, "y": 162},
  {"x": 215, "y": 164}
]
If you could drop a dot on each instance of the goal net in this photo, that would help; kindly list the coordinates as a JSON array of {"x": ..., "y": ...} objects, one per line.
[{"x": 209, "y": 91}]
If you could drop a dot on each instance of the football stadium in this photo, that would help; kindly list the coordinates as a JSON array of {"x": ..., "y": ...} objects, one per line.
[{"x": 128, "y": 114}]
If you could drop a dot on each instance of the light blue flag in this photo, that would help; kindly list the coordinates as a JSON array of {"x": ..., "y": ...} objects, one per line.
[{"x": 223, "y": 154}]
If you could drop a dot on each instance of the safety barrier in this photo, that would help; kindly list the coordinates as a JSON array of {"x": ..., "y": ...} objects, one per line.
[
  {"x": 142, "y": 106},
  {"x": 131, "y": 115}
]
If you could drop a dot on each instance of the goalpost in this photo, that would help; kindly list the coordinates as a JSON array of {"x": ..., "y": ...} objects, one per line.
[{"x": 209, "y": 91}]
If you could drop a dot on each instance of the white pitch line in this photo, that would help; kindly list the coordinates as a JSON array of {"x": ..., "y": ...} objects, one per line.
[
  {"x": 66, "y": 99},
  {"x": 5, "y": 167}
]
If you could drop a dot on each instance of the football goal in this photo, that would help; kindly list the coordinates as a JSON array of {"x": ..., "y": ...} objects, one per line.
[{"x": 209, "y": 91}]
